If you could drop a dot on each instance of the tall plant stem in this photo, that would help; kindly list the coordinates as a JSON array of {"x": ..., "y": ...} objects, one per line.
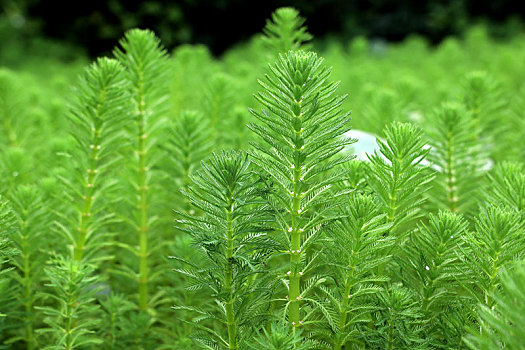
[
  {"x": 69, "y": 319},
  {"x": 142, "y": 184},
  {"x": 85, "y": 215},
  {"x": 228, "y": 283},
  {"x": 390, "y": 219},
  {"x": 452, "y": 195},
  {"x": 343, "y": 313},
  {"x": 294, "y": 290},
  {"x": 28, "y": 292}
]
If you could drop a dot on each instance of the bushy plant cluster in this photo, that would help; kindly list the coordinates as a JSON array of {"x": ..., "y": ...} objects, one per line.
[{"x": 177, "y": 201}]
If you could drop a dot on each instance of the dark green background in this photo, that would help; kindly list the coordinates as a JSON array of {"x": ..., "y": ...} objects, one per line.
[{"x": 96, "y": 25}]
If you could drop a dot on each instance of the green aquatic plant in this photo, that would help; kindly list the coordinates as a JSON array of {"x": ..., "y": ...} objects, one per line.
[
  {"x": 503, "y": 324},
  {"x": 459, "y": 159},
  {"x": 495, "y": 243},
  {"x": 289, "y": 243},
  {"x": 229, "y": 240},
  {"x": 32, "y": 217},
  {"x": 398, "y": 177},
  {"x": 8, "y": 226},
  {"x": 96, "y": 119},
  {"x": 356, "y": 248},
  {"x": 145, "y": 63},
  {"x": 286, "y": 31},
  {"x": 300, "y": 133},
  {"x": 72, "y": 323},
  {"x": 189, "y": 143},
  {"x": 429, "y": 265}
]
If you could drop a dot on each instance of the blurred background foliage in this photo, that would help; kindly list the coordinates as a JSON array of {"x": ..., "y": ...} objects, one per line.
[{"x": 96, "y": 25}]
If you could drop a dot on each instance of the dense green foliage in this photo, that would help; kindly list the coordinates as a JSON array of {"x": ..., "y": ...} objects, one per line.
[{"x": 177, "y": 201}]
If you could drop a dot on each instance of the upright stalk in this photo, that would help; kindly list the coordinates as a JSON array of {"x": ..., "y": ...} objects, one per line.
[
  {"x": 294, "y": 291},
  {"x": 451, "y": 185},
  {"x": 397, "y": 177},
  {"x": 302, "y": 127},
  {"x": 85, "y": 215},
  {"x": 227, "y": 235},
  {"x": 95, "y": 118},
  {"x": 146, "y": 72},
  {"x": 28, "y": 292},
  {"x": 143, "y": 200},
  {"x": 343, "y": 314},
  {"x": 69, "y": 322},
  {"x": 230, "y": 315}
]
